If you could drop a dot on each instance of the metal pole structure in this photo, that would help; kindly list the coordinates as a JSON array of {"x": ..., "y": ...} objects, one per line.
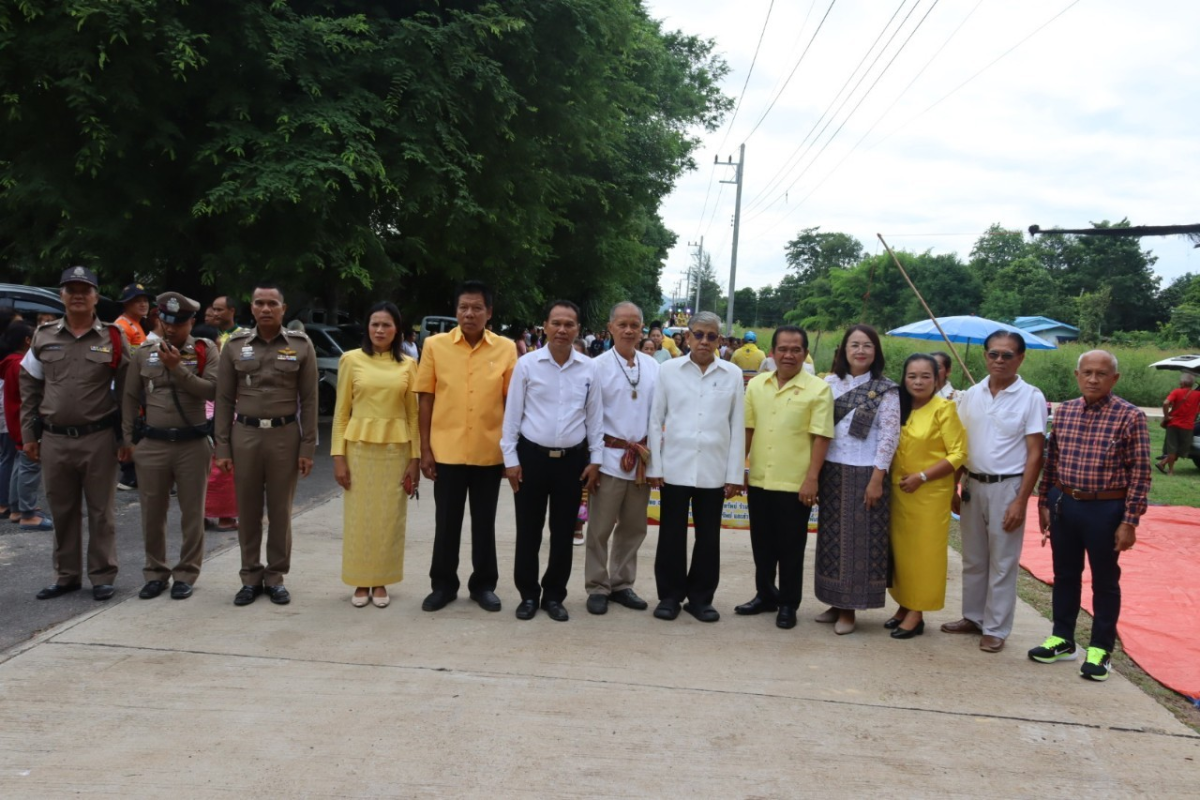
[
  {"x": 737, "y": 220},
  {"x": 699, "y": 269},
  {"x": 928, "y": 311}
]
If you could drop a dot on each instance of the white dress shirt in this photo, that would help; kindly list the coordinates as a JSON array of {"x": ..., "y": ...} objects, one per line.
[
  {"x": 883, "y": 437},
  {"x": 697, "y": 425},
  {"x": 997, "y": 426},
  {"x": 624, "y": 416},
  {"x": 553, "y": 406}
]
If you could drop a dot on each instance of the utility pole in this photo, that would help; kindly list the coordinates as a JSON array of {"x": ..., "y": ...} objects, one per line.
[
  {"x": 699, "y": 268},
  {"x": 737, "y": 220}
]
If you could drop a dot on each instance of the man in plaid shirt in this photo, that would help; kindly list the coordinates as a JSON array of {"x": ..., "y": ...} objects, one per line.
[{"x": 1092, "y": 495}]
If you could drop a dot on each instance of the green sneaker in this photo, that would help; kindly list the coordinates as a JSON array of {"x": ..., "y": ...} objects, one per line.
[
  {"x": 1096, "y": 667},
  {"x": 1054, "y": 649}
]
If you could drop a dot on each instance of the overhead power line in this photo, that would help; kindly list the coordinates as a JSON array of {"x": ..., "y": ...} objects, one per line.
[{"x": 753, "y": 61}]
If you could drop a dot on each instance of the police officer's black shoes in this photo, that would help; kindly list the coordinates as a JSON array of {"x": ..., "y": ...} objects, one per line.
[
  {"x": 152, "y": 589},
  {"x": 278, "y": 594},
  {"x": 247, "y": 594},
  {"x": 181, "y": 590},
  {"x": 103, "y": 591},
  {"x": 57, "y": 590}
]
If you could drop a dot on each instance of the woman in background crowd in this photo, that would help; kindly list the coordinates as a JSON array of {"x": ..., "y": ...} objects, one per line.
[
  {"x": 376, "y": 455},
  {"x": 648, "y": 346},
  {"x": 944, "y": 388},
  {"x": 933, "y": 444},
  {"x": 852, "y": 540}
]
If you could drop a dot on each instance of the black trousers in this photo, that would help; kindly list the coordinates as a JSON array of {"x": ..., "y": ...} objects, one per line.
[
  {"x": 553, "y": 481},
  {"x": 671, "y": 573},
  {"x": 778, "y": 536},
  {"x": 1079, "y": 527},
  {"x": 454, "y": 484}
]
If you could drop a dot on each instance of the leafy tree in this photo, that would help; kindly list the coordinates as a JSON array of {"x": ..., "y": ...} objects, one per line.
[
  {"x": 1093, "y": 310},
  {"x": 813, "y": 254},
  {"x": 996, "y": 249},
  {"x": 1185, "y": 324},
  {"x": 1183, "y": 289},
  {"x": 712, "y": 292},
  {"x": 1023, "y": 288}
]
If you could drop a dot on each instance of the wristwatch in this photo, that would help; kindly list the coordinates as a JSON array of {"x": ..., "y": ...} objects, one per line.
[{"x": 924, "y": 478}]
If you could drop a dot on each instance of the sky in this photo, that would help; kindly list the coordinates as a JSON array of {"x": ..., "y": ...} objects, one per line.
[{"x": 1093, "y": 117}]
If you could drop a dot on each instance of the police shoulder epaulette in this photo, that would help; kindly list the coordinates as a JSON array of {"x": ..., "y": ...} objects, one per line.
[
  {"x": 288, "y": 332},
  {"x": 241, "y": 333}
]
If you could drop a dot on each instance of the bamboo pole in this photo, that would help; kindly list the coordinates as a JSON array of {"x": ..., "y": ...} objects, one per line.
[{"x": 928, "y": 311}]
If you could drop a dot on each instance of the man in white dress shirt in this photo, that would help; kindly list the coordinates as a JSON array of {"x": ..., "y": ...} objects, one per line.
[
  {"x": 617, "y": 507},
  {"x": 1005, "y": 419},
  {"x": 697, "y": 456},
  {"x": 553, "y": 444}
]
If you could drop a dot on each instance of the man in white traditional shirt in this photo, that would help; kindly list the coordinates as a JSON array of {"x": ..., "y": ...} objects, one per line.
[
  {"x": 552, "y": 443},
  {"x": 697, "y": 456},
  {"x": 617, "y": 507},
  {"x": 1005, "y": 419}
]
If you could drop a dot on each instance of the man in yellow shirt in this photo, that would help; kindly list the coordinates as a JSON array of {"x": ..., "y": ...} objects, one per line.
[
  {"x": 462, "y": 384},
  {"x": 792, "y": 413},
  {"x": 748, "y": 357}
]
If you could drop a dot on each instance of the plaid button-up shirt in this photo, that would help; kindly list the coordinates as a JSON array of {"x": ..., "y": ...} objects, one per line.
[{"x": 1098, "y": 447}]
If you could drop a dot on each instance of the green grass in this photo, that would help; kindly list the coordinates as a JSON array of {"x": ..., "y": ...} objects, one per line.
[
  {"x": 1180, "y": 489},
  {"x": 1052, "y": 371}
]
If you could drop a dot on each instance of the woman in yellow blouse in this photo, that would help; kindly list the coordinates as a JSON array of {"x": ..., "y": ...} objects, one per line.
[
  {"x": 933, "y": 445},
  {"x": 376, "y": 455}
]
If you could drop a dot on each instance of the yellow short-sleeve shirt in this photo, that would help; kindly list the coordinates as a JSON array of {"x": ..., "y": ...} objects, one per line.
[
  {"x": 785, "y": 419},
  {"x": 468, "y": 385}
]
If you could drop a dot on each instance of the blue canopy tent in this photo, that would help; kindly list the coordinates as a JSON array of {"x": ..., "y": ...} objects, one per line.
[{"x": 966, "y": 330}]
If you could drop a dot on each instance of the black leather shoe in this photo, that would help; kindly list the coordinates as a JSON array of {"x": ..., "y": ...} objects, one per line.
[
  {"x": 247, "y": 595},
  {"x": 104, "y": 591},
  {"x": 756, "y": 606},
  {"x": 627, "y": 598},
  {"x": 486, "y": 599},
  {"x": 152, "y": 589},
  {"x": 438, "y": 599},
  {"x": 555, "y": 610},
  {"x": 527, "y": 609},
  {"x": 900, "y": 633},
  {"x": 893, "y": 623},
  {"x": 57, "y": 590},
  {"x": 597, "y": 604},
  {"x": 786, "y": 618},
  {"x": 704, "y": 613},
  {"x": 667, "y": 609},
  {"x": 279, "y": 594},
  {"x": 181, "y": 590}
]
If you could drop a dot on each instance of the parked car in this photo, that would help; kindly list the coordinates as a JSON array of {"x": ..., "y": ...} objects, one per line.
[
  {"x": 330, "y": 341},
  {"x": 1186, "y": 363},
  {"x": 431, "y": 326},
  {"x": 29, "y": 301}
]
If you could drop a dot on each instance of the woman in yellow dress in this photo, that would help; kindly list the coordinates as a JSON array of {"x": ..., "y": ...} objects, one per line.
[
  {"x": 933, "y": 445},
  {"x": 376, "y": 455}
]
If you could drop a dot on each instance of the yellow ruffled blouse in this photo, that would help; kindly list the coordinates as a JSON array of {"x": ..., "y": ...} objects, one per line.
[{"x": 375, "y": 402}]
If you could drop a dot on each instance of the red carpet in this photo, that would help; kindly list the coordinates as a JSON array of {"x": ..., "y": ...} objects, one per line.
[{"x": 1160, "y": 593}]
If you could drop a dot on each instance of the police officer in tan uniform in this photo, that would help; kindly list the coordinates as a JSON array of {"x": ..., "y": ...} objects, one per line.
[
  {"x": 266, "y": 424},
  {"x": 171, "y": 379},
  {"x": 71, "y": 422}
]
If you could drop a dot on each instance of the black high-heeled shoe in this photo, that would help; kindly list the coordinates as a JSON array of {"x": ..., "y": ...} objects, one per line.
[
  {"x": 893, "y": 623},
  {"x": 900, "y": 633}
]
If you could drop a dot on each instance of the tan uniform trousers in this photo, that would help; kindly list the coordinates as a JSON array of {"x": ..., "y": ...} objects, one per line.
[
  {"x": 160, "y": 465},
  {"x": 85, "y": 466},
  {"x": 616, "y": 511},
  {"x": 266, "y": 461}
]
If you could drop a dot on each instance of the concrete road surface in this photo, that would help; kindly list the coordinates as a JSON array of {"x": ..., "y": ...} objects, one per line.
[{"x": 319, "y": 699}]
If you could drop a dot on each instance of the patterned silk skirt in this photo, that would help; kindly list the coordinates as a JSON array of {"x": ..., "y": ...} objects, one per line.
[
  {"x": 375, "y": 514},
  {"x": 221, "y": 500},
  {"x": 852, "y": 540}
]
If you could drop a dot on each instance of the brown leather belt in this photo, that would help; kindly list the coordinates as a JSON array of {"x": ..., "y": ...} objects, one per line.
[{"x": 1107, "y": 494}]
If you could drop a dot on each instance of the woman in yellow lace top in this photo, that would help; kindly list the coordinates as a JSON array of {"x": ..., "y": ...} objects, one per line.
[{"x": 376, "y": 452}]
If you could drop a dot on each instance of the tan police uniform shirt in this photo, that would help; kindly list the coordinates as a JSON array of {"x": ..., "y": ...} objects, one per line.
[
  {"x": 70, "y": 381},
  {"x": 267, "y": 379},
  {"x": 150, "y": 384}
]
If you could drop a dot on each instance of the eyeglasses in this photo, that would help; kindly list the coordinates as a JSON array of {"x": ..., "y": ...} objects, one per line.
[
  {"x": 996, "y": 355},
  {"x": 700, "y": 337}
]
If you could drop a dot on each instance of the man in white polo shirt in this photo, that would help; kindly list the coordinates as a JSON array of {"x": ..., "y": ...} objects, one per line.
[
  {"x": 1005, "y": 419},
  {"x": 617, "y": 508},
  {"x": 697, "y": 456}
]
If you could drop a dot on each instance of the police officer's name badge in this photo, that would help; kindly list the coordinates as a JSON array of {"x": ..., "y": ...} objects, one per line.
[{"x": 247, "y": 353}]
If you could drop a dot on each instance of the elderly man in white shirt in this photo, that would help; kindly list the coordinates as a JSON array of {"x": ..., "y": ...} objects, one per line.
[
  {"x": 617, "y": 508},
  {"x": 697, "y": 456},
  {"x": 553, "y": 442},
  {"x": 1005, "y": 419}
]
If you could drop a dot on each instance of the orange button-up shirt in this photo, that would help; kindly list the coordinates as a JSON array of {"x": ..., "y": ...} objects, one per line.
[{"x": 468, "y": 385}]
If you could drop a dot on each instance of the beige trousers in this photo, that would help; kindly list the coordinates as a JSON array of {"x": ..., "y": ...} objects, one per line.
[
  {"x": 185, "y": 465},
  {"x": 266, "y": 462},
  {"x": 616, "y": 512},
  {"x": 75, "y": 470}
]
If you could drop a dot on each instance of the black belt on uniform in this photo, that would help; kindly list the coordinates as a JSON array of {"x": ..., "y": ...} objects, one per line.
[
  {"x": 75, "y": 431},
  {"x": 992, "y": 478},
  {"x": 275, "y": 422},
  {"x": 553, "y": 452},
  {"x": 177, "y": 434}
]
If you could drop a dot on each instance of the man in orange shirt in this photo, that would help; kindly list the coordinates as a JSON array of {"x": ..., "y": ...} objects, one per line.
[
  {"x": 462, "y": 383},
  {"x": 136, "y": 299}
]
